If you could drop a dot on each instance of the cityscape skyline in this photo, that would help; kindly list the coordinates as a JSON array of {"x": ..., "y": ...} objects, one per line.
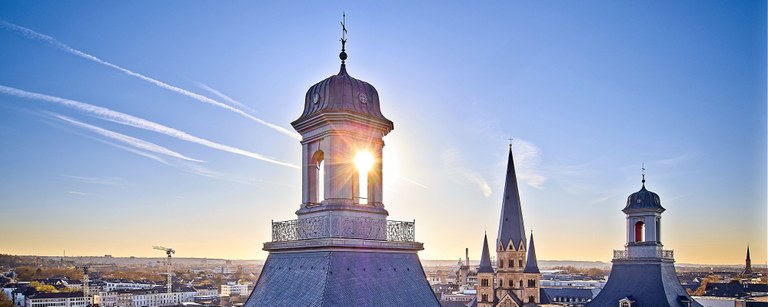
[{"x": 589, "y": 92}]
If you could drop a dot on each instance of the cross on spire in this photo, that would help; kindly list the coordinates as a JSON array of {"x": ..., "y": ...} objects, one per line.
[
  {"x": 343, "y": 54},
  {"x": 510, "y": 143}
]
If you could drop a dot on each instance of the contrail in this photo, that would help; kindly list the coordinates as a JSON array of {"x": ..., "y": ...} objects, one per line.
[
  {"x": 132, "y": 141},
  {"x": 140, "y": 123},
  {"x": 29, "y": 33},
  {"x": 191, "y": 168},
  {"x": 221, "y": 95}
]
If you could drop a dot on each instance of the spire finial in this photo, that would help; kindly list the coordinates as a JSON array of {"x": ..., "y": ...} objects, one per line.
[
  {"x": 643, "y": 174},
  {"x": 343, "y": 54},
  {"x": 510, "y": 143}
]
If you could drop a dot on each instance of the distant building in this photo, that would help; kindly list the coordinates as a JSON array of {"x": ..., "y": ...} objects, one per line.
[
  {"x": 747, "y": 266},
  {"x": 234, "y": 289},
  {"x": 64, "y": 299},
  {"x": 643, "y": 274}
]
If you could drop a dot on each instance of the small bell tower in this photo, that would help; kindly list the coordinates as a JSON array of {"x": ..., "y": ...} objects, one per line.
[
  {"x": 643, "y": 212},
  {"x": 342, "y": 132}
]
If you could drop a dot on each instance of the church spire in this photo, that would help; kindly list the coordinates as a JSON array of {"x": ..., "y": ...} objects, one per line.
[
  {"x": 748, "y": 263},
  {"x": 485, "y": 258},
  {"x": 531, "y": 265},
  {"x": 511, "y": 222}
]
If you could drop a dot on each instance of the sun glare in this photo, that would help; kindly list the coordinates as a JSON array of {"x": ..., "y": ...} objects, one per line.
[{"x": 364, "y": 161}]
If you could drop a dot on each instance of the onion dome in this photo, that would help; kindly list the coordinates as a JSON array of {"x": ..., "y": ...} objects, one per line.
[
  {"x": 643, "y": 200},
  {"x": 341, "y": 93}
]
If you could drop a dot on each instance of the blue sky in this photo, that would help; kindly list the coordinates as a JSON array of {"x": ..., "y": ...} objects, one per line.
[{"x": 180, "y": 135}]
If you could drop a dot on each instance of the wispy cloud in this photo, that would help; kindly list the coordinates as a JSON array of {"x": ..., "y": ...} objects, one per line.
[
  {"x": 140, "y": 123},
  {"x": 458, "y": 173},
  {"x": 527, "y": 154},
  {"x": 109, "y": 181},
  {"x": 527, "y": 161},
  {"x": 129, "y": 140},
  {"x": 29, "y": 33}
]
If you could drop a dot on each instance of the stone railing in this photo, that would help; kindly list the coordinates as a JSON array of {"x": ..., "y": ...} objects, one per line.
[
  {"x": 661, "y": 253},
  {"x": 351, "y": 227}
]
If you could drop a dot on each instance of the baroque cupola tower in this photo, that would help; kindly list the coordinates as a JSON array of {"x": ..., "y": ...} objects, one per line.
[
  {"x": 643, "y": 273},
  {"x": 341, "y": 250}
]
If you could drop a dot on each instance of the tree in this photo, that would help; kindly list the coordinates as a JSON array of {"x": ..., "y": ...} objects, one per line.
[{"x": 5, "y": 301}]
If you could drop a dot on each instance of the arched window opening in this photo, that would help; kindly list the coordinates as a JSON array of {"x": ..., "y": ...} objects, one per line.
[
  {"x": 485, "y": 297},
  {"x": 521, "y": 284},
  {"x": 639, "y": 230},
  {"x": 364, "y": 162},
  {"x": 316, "y": 178},
  {"x": 658, "y": 229}
]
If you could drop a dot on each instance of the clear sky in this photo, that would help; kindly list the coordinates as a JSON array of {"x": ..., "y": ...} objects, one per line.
[{"x": 130, "y": 124}]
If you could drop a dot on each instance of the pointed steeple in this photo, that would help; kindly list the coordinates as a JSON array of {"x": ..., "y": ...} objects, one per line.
[
  {"x": 747, "y": 264},
  {"x": 531, "y": 265},
  {"x": 485, "y": 258},
  {"x": 511, "y": 223},
  {"x": 748, "y": 258}
]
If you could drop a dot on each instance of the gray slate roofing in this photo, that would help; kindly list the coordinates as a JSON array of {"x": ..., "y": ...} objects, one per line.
[
  {"x": 650, "y": 283},
  {"x": 345, "y": 94},
  {"x": 643, "y": 200},
  {"x": 576, "y": 293},
  {"x": 511, "y": 222},
  {"x": 531, "y": 265},
  {"x": 485, "y": 258},
  {"x": 342, "y": 278}
]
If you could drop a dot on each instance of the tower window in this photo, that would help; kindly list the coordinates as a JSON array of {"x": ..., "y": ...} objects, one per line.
[
  {"x": 520, "y": 263},
  {"x": 485, "y": 297},
  {"x": 501, "y": 263},
  {"x": 511, "y": 263},
  {"x": 639, "y": 230}
]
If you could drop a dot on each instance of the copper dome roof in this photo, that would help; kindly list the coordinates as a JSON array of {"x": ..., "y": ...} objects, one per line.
[{"x": 341, "y": 93}]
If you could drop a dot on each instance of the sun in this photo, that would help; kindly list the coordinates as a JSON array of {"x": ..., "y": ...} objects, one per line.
[{"x": 364, "y": 161}]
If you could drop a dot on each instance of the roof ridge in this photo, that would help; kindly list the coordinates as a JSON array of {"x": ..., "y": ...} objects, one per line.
[{"x": 325, "y": 281}]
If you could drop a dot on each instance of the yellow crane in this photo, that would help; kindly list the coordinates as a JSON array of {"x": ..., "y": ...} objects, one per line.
[{"x": 169, "y": 252}]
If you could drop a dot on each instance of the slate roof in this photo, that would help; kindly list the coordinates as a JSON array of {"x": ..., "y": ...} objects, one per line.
[
  {"x": 485, "y": 258},
  {"x": 511, "y": 221},
  {"x": 734, "y": 289},
  {"x": 342, "y": 278},
  {"x": 576, "y": 293},
  {"x": 643, "y": 200},
  {"x": 341, "y": 93},
  {"x": 531, "y": 264},
  {"x": 650, "y": 283}
]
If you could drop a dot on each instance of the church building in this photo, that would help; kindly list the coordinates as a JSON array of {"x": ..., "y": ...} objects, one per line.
[
  {"x": 516, "y": 280},
  {"x": 643, "y": 273},
  {"x": 341, "y": 250}
]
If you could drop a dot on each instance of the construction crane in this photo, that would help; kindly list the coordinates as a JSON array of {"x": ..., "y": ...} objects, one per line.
[{"x": 169, "y": 252}]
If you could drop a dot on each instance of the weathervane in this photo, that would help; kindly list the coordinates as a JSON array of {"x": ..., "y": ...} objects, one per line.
[
  {"x": 343, "y": 54},
  {"x": 510, "y": 143},
  {"x": 643, "y": 173}
]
